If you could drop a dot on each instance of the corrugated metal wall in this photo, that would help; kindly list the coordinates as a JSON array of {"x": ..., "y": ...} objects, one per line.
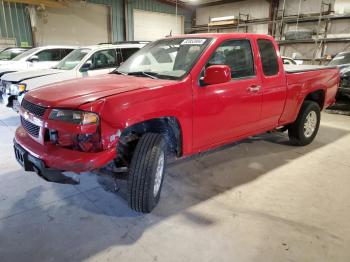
[
  {"x": 154, "y": 6},
  {"x": 14, "y": 23},
  {"x": 117, "y": 17},
  {"x": 14, "y": 20}
]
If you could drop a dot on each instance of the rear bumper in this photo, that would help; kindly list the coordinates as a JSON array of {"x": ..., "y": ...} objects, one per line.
[{"x": 62, "y": 159}]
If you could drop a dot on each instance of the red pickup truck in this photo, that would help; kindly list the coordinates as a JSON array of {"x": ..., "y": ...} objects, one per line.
[{"x": 175, "y": 97}]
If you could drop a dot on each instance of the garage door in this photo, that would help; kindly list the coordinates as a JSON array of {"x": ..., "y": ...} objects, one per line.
[
  {"x": 79, "y": 24},
  {"x": 153, "y": 25}
]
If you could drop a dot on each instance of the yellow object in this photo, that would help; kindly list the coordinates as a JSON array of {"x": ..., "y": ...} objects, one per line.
[{"x": 21, "y": 87}]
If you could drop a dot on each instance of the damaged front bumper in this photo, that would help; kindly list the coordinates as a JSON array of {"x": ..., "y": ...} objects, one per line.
[
  {"x": 31, "y": 163},
  {"x": 50, "y": 161}
]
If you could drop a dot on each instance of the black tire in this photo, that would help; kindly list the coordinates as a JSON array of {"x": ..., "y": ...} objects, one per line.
[
  {"x": 296, "y": 131},
  {"x": 148, "y": 152}
]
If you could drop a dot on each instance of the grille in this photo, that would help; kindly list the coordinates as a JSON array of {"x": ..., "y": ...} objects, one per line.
[
  {"x": 32, "y": 108},
  {"x": 30, "y": 127},
  {"x": 3, "y": 85}
]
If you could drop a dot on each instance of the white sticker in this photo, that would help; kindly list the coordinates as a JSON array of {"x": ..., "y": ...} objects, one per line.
[{"x": 194, "y": 41}]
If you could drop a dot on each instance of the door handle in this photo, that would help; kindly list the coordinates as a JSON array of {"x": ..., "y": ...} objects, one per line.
[{"x": 254, "y": 88}]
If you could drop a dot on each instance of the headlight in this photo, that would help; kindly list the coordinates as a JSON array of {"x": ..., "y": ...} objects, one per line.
[
  {"x": 15, "y": 89},
  {"x": 76, "y": 117}
]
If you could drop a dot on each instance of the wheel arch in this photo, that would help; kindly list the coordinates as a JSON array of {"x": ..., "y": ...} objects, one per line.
[
  {"x": 169, "y": 126},
  {"x": 317, "y": 96}
]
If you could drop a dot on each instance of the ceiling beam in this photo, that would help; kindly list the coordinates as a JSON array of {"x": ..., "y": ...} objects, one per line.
[
  {"x": 219, "y": 2},
  {"x": 173, "y": 3},
  {"x": 47, "y": 3}
]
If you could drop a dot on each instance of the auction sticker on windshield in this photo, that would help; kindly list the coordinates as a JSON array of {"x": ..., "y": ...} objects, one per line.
[{"x": 194, "y": 41}]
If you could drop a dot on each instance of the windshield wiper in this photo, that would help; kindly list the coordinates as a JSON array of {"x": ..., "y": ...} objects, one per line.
[
  {"x": 118, "y": 72},
  {"x": 152, "y": 75},
  {"x": 149, "y": 74}
]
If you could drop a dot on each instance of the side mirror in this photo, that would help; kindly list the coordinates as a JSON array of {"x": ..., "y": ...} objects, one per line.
[
  {"x": 86, "y": 67},
  {"x": 33, "y": 59},
  {"x": 217, "y": 74}
]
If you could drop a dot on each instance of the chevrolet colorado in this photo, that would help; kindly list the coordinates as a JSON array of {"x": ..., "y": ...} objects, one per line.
[{"x": 175, "y": 97}]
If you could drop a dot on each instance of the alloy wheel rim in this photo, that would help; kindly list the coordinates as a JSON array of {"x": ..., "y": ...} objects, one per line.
[
  {"x": 159, "y": 175},
  {"x": 310, "y": 124}
]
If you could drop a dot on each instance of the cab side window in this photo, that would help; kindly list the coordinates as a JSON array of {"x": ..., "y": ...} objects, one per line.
[
  {"x": 238, "y": 55},
  {"x": 268, "y": 57},
  {"x": 103, "y": 59},
  {"x": 49, "y": 55},
  {"x": 65, "y": 52},
  {"x": 124, "y": 53}
]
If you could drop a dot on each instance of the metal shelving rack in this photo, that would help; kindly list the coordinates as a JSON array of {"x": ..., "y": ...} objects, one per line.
[
  {"x": 321, "y": 37},
  {"x": 280, "y": 20}
]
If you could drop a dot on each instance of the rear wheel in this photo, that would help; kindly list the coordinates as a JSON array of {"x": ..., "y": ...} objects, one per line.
[
  {"x": 147, "y": 172},
  {"x": 303, "y": 131}
]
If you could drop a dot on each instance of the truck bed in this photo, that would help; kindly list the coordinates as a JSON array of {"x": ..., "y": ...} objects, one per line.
[
  {"x": 302, "y": 80},
  {"x": 304, "y": 68}
]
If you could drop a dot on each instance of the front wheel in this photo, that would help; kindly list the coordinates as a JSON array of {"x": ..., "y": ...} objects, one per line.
[
  {"x": 147, "y": 172},
  {"x": 303, "y": 131}
]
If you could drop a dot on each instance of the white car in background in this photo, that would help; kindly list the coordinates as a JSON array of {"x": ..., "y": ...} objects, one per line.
[
  {"x": 82, "y": 62},
  {"x": 290, "y": 61},
  {"x": 36, "y": 58}
]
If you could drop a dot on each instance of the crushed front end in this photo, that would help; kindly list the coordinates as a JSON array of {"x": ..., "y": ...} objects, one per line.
[{"x": 51, "y": 141}]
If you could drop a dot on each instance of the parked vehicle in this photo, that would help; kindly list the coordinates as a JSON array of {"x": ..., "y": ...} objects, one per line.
[
  {"x": 175, "y": 97},
  {"x": 11, "y": 52},
  {"x": 82, "y": 62},
  {"x": 290, "y": 61},
  {"x": 342, "y": 61},
  {"x": 35, "y": 58}
]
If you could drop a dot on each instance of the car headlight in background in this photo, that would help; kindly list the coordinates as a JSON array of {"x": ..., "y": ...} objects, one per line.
[
  {"x": 15, "y": 89},
  {"x": 76, "y": 117}
]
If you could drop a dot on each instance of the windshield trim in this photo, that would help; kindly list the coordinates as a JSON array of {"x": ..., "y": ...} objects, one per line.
[{"x": 179, "y": 78}]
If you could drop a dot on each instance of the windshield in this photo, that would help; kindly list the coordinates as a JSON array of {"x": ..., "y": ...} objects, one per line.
[
  {"x": 25, "y": 54},
  {"x": 340, "y": 59},
  {"x": 166, "y": 58},
  {"x": 73, "y": 59},
  {"x": 11, "y": 53}
]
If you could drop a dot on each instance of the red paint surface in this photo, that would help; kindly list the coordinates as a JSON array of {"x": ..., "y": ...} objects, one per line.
[{"x": 209, "y": 116}]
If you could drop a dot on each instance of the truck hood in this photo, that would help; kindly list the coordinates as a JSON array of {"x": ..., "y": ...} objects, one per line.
[
  {"x": 73, "y": 93},
  {"x": 25, "y": 75},
  {"x": 12, "y": 65}
]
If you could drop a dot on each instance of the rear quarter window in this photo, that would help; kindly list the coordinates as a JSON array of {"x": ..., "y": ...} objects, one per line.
[{"x": 268, "y": 56}]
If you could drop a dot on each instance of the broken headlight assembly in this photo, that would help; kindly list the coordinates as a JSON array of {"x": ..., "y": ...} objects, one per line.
[
  {"x": 76, "y": 117},
  {"x": 15, "y": 89},
  {"x": 85, "y": 142}
]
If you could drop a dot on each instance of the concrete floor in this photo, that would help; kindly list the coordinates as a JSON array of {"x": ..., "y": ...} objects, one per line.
[{"x": 260, "y": 200}]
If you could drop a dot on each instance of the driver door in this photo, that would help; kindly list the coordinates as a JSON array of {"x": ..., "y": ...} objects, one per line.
[{"x": 228, "y": 110}]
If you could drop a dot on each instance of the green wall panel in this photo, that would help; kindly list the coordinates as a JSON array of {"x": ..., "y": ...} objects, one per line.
[
  {"x": 117, "y": 17},
  {"x": 14, "y": 22}
]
